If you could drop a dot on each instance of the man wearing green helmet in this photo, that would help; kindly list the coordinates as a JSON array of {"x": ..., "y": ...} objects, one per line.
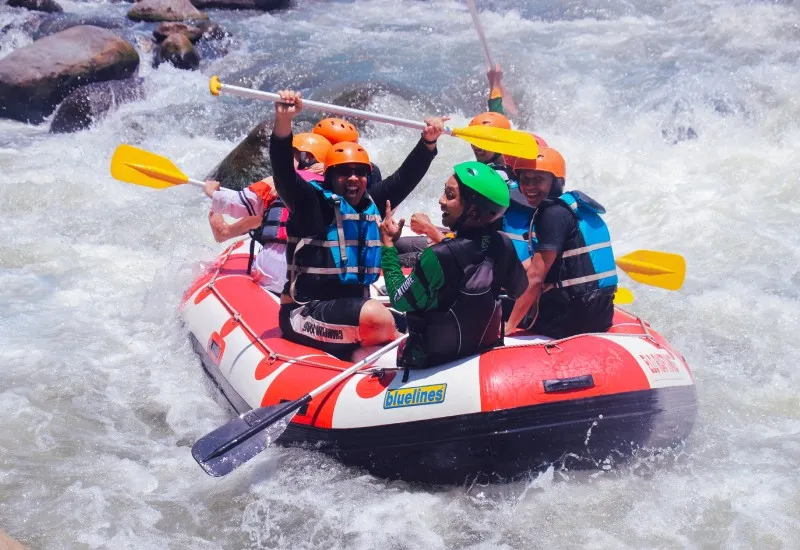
[{"x": 452, "y": 295}]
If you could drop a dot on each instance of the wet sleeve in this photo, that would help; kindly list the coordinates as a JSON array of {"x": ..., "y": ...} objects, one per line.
[
  {"x": 400, "y": 184},
  {"x": 553, "y": 228},
  {"x": 420, "y": 290},
  {"x": 296, "y": 193},
  {"x": 496, "y": 101}
]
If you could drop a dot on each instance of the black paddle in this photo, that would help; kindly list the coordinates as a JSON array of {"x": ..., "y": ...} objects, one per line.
[{"x": 229, "y": 446}]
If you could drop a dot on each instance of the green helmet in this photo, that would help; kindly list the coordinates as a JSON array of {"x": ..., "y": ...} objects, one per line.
[{"x": 486, "y": 189}]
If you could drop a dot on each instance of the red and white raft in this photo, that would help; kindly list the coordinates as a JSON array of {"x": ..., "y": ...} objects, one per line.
[{"x": 529, "y": 404}]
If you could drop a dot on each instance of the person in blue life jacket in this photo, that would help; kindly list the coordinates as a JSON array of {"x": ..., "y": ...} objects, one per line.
[
  {"x": 572, "y": 276},
  {"x": 451, "y": 298},
  {"x": 333, "y": 253}
]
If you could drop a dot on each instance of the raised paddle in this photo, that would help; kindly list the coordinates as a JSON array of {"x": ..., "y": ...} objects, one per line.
[
  {"x": 133, "y": 165},
  {"x": 508, "y": 102},
  {"x": 654, "y": 268},
  {"x": 229, "y": 446},
  {"x": 498, "y": 140}
]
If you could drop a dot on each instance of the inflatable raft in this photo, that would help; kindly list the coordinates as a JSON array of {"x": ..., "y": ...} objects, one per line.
[{"x": 520, "y": 407}]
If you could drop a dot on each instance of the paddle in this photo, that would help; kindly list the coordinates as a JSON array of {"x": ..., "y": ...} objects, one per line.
[
  {"x": 498, "y": 140},
  {"x": 133, "y": 165},
  {"x": 229, "y": 446},
  {"x": 654, "y": 268},
  {"x": 623, "y": 296},
  {"x": 508, "y": 102}
]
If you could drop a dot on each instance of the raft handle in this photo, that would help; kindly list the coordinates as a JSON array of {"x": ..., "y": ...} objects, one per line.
[{"x": 565, "y": 384}]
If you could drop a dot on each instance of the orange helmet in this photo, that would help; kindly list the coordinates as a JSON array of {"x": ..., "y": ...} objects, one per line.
[
  {"x": 336, "y": 130},
  {"x": 346, "y": 152},
  {"x": 495, "y": 120},
  {"x": 312, "y": 143},
  {"x": 549, "y": 160},
  {"x": 539, "y": 140}
]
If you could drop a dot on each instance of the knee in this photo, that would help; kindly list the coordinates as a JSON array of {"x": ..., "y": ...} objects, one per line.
[{"x": 376, "y": 323}]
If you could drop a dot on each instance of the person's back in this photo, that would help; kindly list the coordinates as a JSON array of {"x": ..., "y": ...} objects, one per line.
[{"x": 452, "y": 295}]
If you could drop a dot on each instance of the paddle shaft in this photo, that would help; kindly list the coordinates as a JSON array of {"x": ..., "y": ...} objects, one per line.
[
  {"x": 478, "y": 27},
  {"x": 329, "y": 108},
  {"x": 259, "y": 426}
]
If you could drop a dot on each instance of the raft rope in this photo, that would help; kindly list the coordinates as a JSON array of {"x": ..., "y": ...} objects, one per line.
[{"x": 273, "y": 356}]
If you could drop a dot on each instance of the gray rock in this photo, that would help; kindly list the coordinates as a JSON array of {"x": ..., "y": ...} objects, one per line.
[
  {"x": 67, "y": 21},
  {"x": 36, "y": 78},
  {"x": 49, "y": 6},
  {"x": 248, "y": 162},
  {"x": 212, "y": 31},
  {"x": 92, "y": 102},
  {"x": 164, "y": 10},
  {"x": 178, "y": 51},
  {"x": 174, "y": 27}
]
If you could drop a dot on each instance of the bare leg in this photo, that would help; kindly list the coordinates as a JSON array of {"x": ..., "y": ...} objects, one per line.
[{"x": 376, "y": 324}]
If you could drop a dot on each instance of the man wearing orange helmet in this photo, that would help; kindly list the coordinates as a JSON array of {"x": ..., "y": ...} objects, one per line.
[
  {"x": 261, "y": 213},
  {"x": 336, "y": 130},
  {"x": 334, "y": 247},
  {"x": 572, "y": 276}
]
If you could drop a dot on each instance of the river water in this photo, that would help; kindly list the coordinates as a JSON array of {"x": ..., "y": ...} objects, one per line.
[{"x": 678, "y": 116}]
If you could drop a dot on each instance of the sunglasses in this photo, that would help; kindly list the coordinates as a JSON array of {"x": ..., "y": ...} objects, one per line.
[{"x": 360, "y": 171}]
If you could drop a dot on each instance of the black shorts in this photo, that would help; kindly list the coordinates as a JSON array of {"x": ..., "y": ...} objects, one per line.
[
  {"x": 560, "y": 318},
  {"x": 330, "y": 325}
]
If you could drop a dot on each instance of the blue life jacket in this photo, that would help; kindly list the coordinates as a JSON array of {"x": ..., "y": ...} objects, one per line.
[
  {"x": 349, "y": 250},
  {"x": 517, "y": 221},
  {"x": 587, "y": 262}
]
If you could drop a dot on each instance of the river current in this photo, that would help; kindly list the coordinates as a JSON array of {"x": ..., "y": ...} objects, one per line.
[{"x": 678, "y": 116}]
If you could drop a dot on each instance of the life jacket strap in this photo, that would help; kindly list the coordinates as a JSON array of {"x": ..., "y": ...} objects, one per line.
[
  {"x": 585, "y": 249},
  {"x": 587, "y": 279},
  {"x": 333, "y": 270},
  {"x": 331, "y": 244}
]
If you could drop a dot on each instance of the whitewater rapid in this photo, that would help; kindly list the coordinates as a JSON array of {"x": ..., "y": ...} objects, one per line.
[{"x": 680, "y": 117}]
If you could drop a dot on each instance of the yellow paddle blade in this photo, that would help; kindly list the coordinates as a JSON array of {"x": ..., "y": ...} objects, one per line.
[
  {"x": 133, "y": 165},
  {"x": 500, "y": 140},
  {"x": 654, "y": 268},
  {"x": 623, "y": 296}
]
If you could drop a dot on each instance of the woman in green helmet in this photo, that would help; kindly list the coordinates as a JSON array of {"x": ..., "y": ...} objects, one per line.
[{"x": 451, "y": 297}]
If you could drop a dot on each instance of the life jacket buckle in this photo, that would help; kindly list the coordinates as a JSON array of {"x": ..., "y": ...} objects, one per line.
[{"x": 271, "y": 358}]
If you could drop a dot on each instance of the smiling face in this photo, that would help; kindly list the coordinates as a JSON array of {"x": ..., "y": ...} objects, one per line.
[
  {"x": 350, "y": 181},
  {"x": 450, "y": 203},
  {"x": 535, "y": 185}
]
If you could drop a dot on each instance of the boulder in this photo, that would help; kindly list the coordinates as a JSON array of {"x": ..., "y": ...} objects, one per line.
[
  {"x": 175, "y": 27},
  {"x": 164, "y": 10},
  {"x": 92, "y": 102},
  {"x": 178, "y": 51},
  {"x": 263, "y": 5},
  {"x": 248, "y": 162},
  {"x": 49, "y": 6},
  {"x": 212, "y": 31},
  {"x": 67, "y": 21},
  {"x": 36, "y": 78}
]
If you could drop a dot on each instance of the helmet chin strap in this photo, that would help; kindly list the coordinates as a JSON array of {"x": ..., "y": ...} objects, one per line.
[{"x": 462, "y": 218}]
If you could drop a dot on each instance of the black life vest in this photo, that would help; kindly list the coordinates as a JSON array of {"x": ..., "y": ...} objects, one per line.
[{"x": 470, "y": 319}]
